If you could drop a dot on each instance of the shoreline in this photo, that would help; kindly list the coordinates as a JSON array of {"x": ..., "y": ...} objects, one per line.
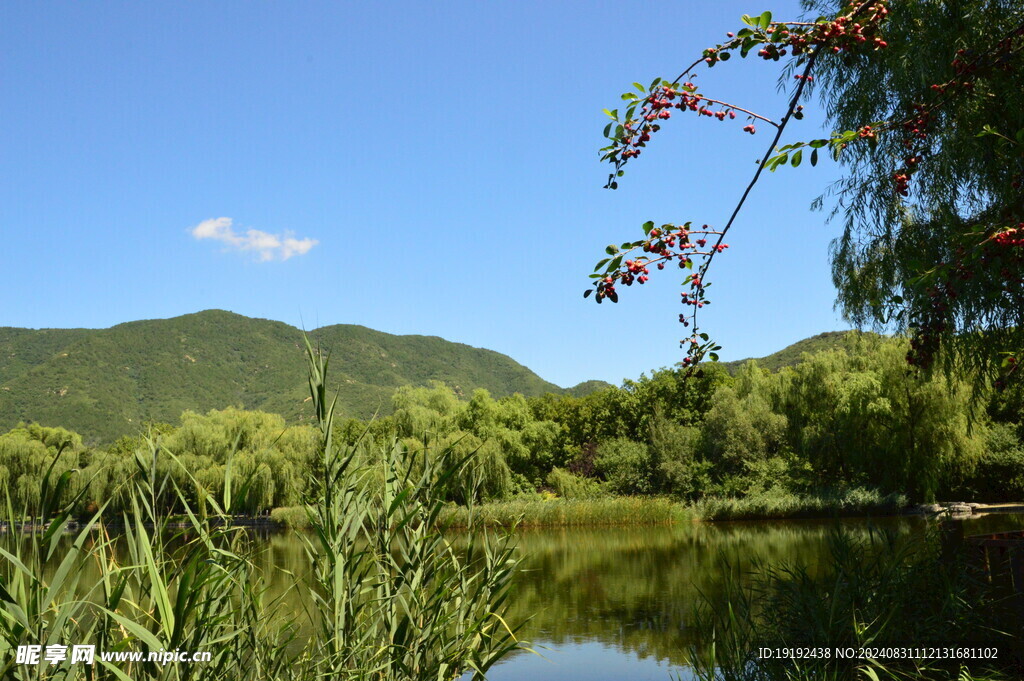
[{"x": 607, "y": 512}]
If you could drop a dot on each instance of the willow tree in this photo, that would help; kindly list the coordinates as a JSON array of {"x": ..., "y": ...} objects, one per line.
[
  {"x": 927, "y": 101},
  {"x": 931, "y": 204}
]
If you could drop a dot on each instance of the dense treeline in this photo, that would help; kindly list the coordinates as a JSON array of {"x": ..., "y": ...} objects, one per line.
[{"x": 851, "y": 418}]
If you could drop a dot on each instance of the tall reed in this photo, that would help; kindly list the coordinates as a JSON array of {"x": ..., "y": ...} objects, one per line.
[{"x": 388, "y": 597}]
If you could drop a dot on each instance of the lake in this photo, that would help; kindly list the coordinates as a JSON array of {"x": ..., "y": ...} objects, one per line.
[{"x": 617, "y": 603}]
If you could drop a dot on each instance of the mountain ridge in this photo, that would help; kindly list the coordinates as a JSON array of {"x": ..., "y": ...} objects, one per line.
[
  {"x": 105, "y": 382},
  {"x": 793, "y": 353}
]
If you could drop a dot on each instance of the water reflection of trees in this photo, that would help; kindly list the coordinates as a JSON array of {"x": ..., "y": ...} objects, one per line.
[{"x": 636, "y": 588}]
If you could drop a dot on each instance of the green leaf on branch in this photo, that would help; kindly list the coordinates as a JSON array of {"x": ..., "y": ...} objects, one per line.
[
  {"x": 765, "y": 20},
  {"x": 797, "y": 157},
  {"x": 648, "y": 226},
  {"x": 814, "y": 157},
  {"x": 611, "y": 249},
  {"x": 776, "y": 161}
]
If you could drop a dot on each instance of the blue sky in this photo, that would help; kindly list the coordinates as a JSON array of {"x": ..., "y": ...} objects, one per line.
[{"x": 435, "y": 166}]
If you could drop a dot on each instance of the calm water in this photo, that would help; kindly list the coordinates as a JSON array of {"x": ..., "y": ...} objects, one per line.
[
  {"x": 614, "y": 603},
  {"x": 608, "y": 604}
]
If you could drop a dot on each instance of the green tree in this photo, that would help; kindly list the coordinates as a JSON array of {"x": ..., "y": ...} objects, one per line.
[
  {"x": 676, "y": 464},
  {"x": 626, "y": 465},
  {"x": 27, "y": 452},
  {"x": 742, "y": 430},
  {"x": 858, "y": 416}
]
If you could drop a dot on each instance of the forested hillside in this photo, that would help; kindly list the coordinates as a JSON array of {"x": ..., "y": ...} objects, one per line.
[
  {"x": 793, "y": 354},
  {"x": 104, "y": 383}
]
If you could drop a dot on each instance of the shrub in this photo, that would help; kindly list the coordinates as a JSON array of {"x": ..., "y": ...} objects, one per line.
[
  {"x": 294, "y": 517},
  {"x": 569, "y": 486}
]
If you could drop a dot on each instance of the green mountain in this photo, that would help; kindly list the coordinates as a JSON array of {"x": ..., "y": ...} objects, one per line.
[
  {"x": 104, "y": 383},
  {"x": 792, "y": 354}
]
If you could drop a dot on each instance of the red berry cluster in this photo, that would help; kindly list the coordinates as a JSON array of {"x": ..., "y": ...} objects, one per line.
[
  {"x": 658, "y": 106},
  {"x": 771, "y": 51},
  {"x": 669, "y": 243},
  {"x": 967, "y": 67},
  {"x": 924, "y": 344},
  {"x": 1014, "y": 236},
  {"x": 692, "y": 352},
  {"x": 937, "y": 303},
  {"x": 915, "y": 132},
  {"x": 915, "y": 127},
  {"x": 902, "y": 181},
  {"x": 1011, "y": 366},
  {"x": 964, "y": 64},
  {"x": 860, "y": 25},
  {"x": 847, "y": 32}
]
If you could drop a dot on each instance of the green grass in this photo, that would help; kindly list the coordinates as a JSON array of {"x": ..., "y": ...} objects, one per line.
[
  {"x": 778, "y": 504},
  {"x": 572, "y": 512},
  {"x": 293, "y": 517},
  {"x": 639, "y": 510}
]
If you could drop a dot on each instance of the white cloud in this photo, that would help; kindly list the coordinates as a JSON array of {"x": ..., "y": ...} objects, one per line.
[{"x": 266, "y": 246}]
